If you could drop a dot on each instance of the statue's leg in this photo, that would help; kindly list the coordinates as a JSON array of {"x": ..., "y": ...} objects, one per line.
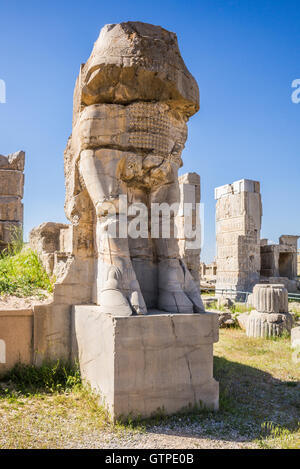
[
  {"x": 118, "y": 291},
  {"x": 177, "y": 290}
]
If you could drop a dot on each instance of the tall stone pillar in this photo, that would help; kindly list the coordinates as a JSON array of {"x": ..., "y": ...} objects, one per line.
[{"x": 238, "y": 225}]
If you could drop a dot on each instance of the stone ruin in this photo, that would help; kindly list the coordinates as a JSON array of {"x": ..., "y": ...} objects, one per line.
[
  {"x": 279, "y": 262},
  {"x": 190, "y": 193},
  {"x": 238, "y": 224},
  {"x": 11, "y": 195},
  {"x": 270, "y": 317},
  {"x": 123, "y": 305},
  {"x": 208, "y": 276},
  {"x": 243, "y": 259}
]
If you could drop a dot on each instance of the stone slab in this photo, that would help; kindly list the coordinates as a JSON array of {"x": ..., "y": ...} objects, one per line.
[
  {"x": 16, "y": 338},
  {"x": 142, "y": 364}
]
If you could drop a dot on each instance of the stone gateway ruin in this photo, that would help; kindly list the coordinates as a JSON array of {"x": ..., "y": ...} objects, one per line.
[
  {"x": 238, "y": 224},
  {"x": 243, "y": 259},
  {"x": 129, "y": 308}
]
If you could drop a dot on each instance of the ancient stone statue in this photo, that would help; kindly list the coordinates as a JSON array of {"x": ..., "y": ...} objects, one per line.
[{"x": 132, "y": 101}]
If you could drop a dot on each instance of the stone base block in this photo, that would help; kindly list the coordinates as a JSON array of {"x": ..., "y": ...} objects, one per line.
[
  {"x": 141, "y": 365},
  {"x": 295, "y": 337},
  {"x": 16, "y": 334},
  {"x": 268, "y": 324}
]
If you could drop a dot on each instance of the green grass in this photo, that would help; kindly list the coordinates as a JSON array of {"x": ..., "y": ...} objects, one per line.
[
  {"x": 21, "y": 273},
  {"x": 259, "y": 404},
  {"x": 50, "y": 377}
]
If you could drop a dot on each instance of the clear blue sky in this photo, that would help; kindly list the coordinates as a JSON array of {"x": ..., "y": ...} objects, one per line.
[{"x": 244, "y": 54}]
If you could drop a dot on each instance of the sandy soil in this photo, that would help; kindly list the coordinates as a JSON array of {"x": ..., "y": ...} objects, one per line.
[{"x": 8, "y": 302}]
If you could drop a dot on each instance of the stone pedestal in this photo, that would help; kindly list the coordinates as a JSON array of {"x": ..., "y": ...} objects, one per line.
[
  {"x": 141, "y": 365},
  {"x": 271, "y": 317},
  {"x": 268, "y": 324}
]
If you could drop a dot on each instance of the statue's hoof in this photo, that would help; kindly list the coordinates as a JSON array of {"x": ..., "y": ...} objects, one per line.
[
  {"x": 115, "y": 303},
  {"x": 137, "y": 303},
  {"x": 195, "y": 297},
  {"x": 175, "y": 302}
]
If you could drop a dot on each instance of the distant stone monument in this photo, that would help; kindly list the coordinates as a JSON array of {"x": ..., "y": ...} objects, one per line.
[
  {"x": 125, "y": 305},
  {"x": 11, "y": 195},
  {"x": 279, "y": 262},
  {"x": 238, "y": 225}
]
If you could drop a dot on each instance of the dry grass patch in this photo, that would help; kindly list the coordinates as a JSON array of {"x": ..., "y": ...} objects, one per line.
[{"x": 259, "y": 406}]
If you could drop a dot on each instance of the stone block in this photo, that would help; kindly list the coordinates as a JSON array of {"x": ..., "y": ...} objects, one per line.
[
  {"x": 11, "y": 183},
  {"x": 142, "y": 364},
  {"x": 51, "y": 333},
  {"x": 11, "y": 209},
  {"x": 16, "y": 338},
  {"x": 270, "y": 298},
  {"x": 14, "y": 161},
  {"x": 7, "y": 229},
  {"x": 268, "y": 324},
  {"x": 295, "y": 337}
]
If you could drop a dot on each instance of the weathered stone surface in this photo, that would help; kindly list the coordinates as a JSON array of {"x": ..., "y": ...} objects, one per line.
[
  {"x": 45, "y": 240},
  {"x": 143, "y": 364},
  {"x": 7, "y": 228},
  {"x": 238, "y": 224},
  {"x": 14, "y": 161},
  {"x": 271, "y": 317},
  {"x": 11, "y": 194},
  {"x": 270, "y": 298},
  {"x": 11, "y": 209},
  {"x": 145, "y": 55},
  {"x": 280, "y": 261},
  {"x": 189, "y": 248},
  {"x": 225, "y": 319},
  {"x": 295, "y": 337},
  {"x": 242, "y": 320},
  {"x": 11, "y": 183},
  {"x": 224, "y": 302},
  {"x": 16, "y": 345},
  {"x": 131, "y": 105},
  {"x": 132, "y": 102},
  {"x": 268, "y": 324}
]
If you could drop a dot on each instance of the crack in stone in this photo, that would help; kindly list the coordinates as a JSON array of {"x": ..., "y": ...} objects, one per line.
[{"x": 191, "y": 377}]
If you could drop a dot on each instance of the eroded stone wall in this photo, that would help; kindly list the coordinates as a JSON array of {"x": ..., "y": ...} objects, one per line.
[
  {"x": 238, "y": 225},
  {"x": 11, "y": 195}
]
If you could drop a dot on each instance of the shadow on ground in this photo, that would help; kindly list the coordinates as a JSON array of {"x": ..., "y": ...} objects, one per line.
[{"x": 250, "y": 400}]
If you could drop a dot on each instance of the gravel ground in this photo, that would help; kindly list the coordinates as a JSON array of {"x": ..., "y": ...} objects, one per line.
[{"x": 8, "y": 302}]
